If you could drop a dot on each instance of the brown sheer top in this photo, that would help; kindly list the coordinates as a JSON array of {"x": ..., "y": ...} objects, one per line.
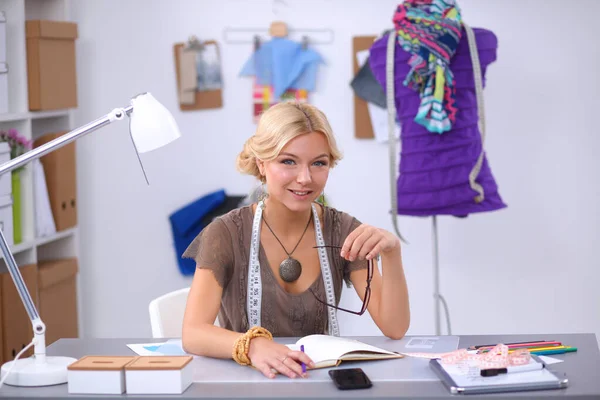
[{"x": 224, "y": 248}]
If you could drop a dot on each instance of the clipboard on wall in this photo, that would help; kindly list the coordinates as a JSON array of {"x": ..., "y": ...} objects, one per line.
[
  {"x": 363, "y": 128},
  {"x": 201, "y": 99}
]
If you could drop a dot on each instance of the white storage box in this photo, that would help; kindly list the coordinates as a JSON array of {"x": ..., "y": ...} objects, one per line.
[
  {"x": 3, "y": 66},
  {"x": 6, "y": 218},
  {"x": 6, "y": 179},
  {"x": 3, "y": 88},
  {"x": 159, "y": 375},
  {"x": 98, "y": 375},
  {"x": 3, "y": 39}
]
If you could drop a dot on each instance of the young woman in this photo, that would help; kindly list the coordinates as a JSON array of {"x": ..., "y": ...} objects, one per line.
[{"x": 277, "y": 267}]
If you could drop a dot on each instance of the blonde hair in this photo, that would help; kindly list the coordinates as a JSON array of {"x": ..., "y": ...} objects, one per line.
[{"x": 277, "y": 126}]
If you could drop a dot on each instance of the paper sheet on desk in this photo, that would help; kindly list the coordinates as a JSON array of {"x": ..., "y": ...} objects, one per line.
[
  {"x": 171, "y": 347},
  {"x": 550, "y": 360},
  {"x": 429, "y": 344}
]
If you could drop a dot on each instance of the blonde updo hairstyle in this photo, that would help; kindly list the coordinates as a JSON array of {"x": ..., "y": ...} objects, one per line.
[{"x": 276, "y": 127}]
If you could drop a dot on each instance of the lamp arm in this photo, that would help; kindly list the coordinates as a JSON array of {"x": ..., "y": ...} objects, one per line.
[
  {"x": 39, "y": 328},
  {"x": 116, "y": 114}
]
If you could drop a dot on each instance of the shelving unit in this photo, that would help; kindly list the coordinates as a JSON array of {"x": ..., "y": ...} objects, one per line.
[
  {"x": 33, "y": 125},
  {"x": 11, "y": 117},
  {"x": 43, "y": 241}
]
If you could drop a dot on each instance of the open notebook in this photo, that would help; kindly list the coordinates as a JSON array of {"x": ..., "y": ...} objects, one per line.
[{"x": 330, "y": 351}]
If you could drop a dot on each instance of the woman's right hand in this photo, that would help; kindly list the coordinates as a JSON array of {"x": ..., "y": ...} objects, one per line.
[{"x": 267, "y": 355}]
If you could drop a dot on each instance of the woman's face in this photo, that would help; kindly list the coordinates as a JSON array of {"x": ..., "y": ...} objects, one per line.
[{"x": 298, "y": 175}]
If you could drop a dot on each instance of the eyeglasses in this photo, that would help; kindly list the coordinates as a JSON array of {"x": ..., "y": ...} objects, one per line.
[{"x": 367, "y": 296}]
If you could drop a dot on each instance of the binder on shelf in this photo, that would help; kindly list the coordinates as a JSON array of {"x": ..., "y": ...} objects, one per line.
[
  {"x": 44, "y": 221},
  {"x": 60, "y": 174}
]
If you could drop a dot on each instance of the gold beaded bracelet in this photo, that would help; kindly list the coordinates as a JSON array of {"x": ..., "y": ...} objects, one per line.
[{"x": 241, "y": 346}]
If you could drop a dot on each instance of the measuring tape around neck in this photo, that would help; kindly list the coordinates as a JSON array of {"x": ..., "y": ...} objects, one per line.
[{"x": 254, "y": 291}]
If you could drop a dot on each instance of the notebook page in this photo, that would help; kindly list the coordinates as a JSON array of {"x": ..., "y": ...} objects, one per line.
[{"x": 324, "y": 347}]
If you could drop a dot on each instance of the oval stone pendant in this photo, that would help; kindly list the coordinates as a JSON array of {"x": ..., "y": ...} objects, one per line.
[{"x": 290, "y": 269}]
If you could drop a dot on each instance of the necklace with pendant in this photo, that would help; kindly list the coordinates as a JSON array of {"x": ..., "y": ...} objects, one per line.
[{"x": 290, "y": 268}]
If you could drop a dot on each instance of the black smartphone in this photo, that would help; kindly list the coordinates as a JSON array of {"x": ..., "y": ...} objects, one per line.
[{"x": 350, "y": 378}]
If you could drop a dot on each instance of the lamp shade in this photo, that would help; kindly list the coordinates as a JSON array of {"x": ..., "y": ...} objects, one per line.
[{"x": 152, "y": 125}]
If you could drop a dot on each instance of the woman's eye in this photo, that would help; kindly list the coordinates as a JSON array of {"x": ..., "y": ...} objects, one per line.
[
  {"x": 288, "y": 162},
  {"x": 321, "y": 163}
]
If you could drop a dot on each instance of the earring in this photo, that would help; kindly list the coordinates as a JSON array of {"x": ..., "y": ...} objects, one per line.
[
  {"x": 321, "y": 200},
  {"x": 263, "y": 192}
]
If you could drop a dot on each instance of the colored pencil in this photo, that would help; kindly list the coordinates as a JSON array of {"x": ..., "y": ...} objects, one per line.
[
  {"x": 524, "y": 345},
  {"x": 510, "y": 344},
  {"x": 559, "y": 351}
]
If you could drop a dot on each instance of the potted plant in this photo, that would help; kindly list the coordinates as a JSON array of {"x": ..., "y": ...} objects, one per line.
[{"x": 18, "y": 145}]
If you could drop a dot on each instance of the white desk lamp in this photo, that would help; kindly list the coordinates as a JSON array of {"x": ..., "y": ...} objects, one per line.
[{"x": 151, "y": 126}]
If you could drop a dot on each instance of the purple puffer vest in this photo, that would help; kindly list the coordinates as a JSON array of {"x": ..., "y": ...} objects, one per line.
[{"x": 434, "y": 168}]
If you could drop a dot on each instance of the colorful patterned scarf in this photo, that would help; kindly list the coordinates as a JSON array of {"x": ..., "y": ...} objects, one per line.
[{"x": 430, "y": 30}]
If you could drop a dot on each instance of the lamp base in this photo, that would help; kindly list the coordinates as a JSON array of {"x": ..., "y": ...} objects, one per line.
[{"x": 27, "y": 372}]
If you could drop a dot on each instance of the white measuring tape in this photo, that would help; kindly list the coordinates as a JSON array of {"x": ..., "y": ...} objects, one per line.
[{"x": 254, "y": 291}]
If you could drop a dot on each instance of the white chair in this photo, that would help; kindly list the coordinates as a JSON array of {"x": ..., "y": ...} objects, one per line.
[{"x": 166, "y": 314}]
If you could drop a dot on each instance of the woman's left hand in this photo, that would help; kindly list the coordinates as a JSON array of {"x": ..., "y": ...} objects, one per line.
[{"x": 367, "y": 242}]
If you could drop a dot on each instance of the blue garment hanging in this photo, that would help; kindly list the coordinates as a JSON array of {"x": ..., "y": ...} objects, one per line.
[
  {"x": 284, "y": 64},
  {"x": 187, "y": 223}
]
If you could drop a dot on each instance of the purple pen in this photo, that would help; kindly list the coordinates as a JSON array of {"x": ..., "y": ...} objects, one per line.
[{"x": 303, "y": 365}]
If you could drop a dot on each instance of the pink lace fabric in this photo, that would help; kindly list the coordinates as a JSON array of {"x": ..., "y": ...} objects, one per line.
[{"x": 497, "y": 357}]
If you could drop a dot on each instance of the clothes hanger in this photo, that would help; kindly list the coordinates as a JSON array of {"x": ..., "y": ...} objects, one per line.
[
  {"x": 304, "y": 42},
  {"x": 256, "y": 42},
  {"x": 278, "y": 29},
  {"x": 194, "y": 44},
  {"x": 247, "y": 35}
]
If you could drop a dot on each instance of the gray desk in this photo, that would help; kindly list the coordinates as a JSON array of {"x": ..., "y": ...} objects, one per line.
[{"x": 582, "y": 369}]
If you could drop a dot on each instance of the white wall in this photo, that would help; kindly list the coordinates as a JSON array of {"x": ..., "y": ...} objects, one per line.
[{"x": 530, "y": 268}]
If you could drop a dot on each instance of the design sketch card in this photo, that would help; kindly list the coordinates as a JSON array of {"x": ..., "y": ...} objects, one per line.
[
  {"x": 199, "y": 78},
  {"x": 422, "y": 343},
  {"x": 208, "y": 68}
]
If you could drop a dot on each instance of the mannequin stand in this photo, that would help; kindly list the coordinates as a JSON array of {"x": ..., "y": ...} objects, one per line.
[{"x": 438, "y": 298}]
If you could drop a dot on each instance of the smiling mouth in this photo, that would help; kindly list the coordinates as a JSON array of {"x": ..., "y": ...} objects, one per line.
[{"x": 301, "y": 193}]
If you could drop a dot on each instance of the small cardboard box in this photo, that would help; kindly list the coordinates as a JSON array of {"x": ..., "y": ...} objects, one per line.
[
  {"x": 61, "y": 179},
  {"x": 16, "y": 325},
  {"x": 159, "y": 375},
  {"x": 58, "y": 298},
  {"x": 51, "y": 69},
  {"x": 98, "y": 375}
]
